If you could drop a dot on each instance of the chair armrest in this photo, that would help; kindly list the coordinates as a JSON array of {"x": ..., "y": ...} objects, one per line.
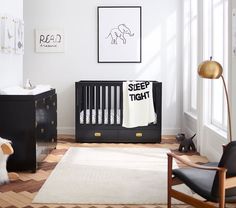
[{"x": 193, "y": 165}]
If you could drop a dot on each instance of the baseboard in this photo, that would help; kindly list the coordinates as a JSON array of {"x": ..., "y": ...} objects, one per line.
[
  {"x": 71, "y": 131},
  {"x": 66, "y": 130},
  {"x": 171, "y": 131}
]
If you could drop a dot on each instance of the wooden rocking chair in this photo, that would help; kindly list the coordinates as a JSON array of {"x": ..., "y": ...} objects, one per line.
[{"x": 215, "y": 182}]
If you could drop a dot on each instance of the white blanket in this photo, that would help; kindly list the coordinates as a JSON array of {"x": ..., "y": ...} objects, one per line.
[{"x": 138, "y": 109}]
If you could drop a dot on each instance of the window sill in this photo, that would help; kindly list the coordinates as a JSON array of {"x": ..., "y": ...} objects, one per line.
[
  {"x": 218, "y": 131},
  {"x": 191, "y": 115}
]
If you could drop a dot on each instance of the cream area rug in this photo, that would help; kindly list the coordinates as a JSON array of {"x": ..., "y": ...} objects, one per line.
[{"x": 108, "y": 176}]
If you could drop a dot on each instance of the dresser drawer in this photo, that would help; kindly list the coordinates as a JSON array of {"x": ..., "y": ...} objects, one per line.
[
  {"x": 138, "y": 136},
  {"x": 97, "y": 135}
]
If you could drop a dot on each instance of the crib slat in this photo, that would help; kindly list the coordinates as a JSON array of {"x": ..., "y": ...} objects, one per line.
[
  {"x": 91, "y": 104},
  {"x": 121, "y": 103},
  {"x": 87, "y": 96},
  {"x": 103, "y": 103},
  {"x": 109, "y": 104},
  {"x": 115, "y": 104},
  {"x": 97, "y": 102},
  {"x": 84, "y": 103},
  {"x": 78, "y": 94}
]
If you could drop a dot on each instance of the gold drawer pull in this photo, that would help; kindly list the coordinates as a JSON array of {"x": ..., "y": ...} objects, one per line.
[
  {"x": 139, "y": 134},
  {"x": 97, "y": 134}
]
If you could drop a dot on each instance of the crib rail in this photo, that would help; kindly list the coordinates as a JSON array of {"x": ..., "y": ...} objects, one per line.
[{"x": 100, "y": 102}]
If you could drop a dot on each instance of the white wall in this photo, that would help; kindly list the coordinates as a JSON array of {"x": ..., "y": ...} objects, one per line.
[
  {"x": 11, "y": 65},
  {"x": 161, "y": 52}
]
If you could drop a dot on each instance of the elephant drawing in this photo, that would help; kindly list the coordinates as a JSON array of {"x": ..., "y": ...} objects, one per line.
[{"x": 119, "y": 32}]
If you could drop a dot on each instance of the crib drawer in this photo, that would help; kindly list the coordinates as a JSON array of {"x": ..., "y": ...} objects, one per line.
[
  {"x": 97, "y": 135},
  {"x": 139, "y": 136}
]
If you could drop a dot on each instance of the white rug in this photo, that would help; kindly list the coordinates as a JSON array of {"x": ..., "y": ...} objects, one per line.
[{"x": 108, "y": 176}]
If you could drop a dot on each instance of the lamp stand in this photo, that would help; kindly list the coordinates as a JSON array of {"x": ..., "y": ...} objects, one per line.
[{"x": 228, "y": 108}]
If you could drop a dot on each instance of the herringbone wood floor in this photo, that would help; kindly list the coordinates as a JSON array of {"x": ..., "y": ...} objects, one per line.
[{"x": 21, "y": 193}]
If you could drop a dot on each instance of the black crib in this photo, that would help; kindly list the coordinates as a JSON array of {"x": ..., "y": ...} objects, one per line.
[{"x": 99, "y": 112}]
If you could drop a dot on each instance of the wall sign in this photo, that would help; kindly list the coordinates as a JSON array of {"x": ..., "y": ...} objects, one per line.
[
  {"x": 49, "y": 41},
  {"x": 119, "y": 34}
]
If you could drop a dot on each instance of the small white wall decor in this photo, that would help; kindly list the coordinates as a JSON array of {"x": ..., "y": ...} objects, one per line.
[
  {"x": 49, "y": 41},
  {"x": 19, "y": 36},
  {"x": 7, "y": 34}
]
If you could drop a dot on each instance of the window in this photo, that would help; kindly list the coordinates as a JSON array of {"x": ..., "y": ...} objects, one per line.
[
  {"x": 191, "y": 52},
  {"x": 215, "y": 44}
]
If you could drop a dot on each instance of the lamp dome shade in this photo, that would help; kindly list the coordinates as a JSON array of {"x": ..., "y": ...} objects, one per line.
[{"x": 210, "y": 69}]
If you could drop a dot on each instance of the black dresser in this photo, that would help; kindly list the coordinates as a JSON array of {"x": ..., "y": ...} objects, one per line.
[{"x": 30, "y": 122}]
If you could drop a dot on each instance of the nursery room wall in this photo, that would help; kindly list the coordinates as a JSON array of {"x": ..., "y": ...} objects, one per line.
[
  {"x": 161, "y": 46},
  {"x": 11, "y": 65}
]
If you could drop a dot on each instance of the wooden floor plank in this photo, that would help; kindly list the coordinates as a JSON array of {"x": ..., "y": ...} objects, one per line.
[
  {"x": 3, "y": 202},
  {"x": 20, "y": 197},
  {"x": 10, "y": 197}
]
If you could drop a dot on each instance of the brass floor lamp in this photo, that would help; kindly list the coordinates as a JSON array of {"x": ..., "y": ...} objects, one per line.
[{"x": 213, "y": 70}]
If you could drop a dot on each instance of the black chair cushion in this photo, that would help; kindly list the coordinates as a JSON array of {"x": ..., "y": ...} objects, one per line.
[
  {"x": 198, "y": 180},
  {"x": 201, "y": 181}
]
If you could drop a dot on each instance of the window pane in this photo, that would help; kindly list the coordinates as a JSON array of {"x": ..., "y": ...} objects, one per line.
[
  {"x": 207, "y": 46},
  {"x": 194, "y": 54},
  {"x": 218, "y": 30},
  {"x": 215, "y": 44},
  {"x": 220, "y": 54},
  {"x": 217, "y": 114}
]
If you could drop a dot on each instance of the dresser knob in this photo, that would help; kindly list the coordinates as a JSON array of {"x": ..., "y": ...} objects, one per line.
[{"x": 42, "y": 130}]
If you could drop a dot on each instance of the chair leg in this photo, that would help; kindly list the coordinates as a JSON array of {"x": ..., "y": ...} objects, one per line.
[
  {"x": 169, "y": 180},
  {"x": 169, "y": 201},
  {"x": 222, "y": 177}
]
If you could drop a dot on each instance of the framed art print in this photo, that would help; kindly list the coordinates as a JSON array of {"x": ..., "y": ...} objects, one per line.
[
  {"x": 49, "y": 41},
  {"x": 119, "y": 34}
]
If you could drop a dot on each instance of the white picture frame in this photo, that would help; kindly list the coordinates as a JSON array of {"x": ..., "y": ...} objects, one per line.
[
  {"x": 119, "y": 34},
  {"x": 49, "y": 41},
  {"x": 7, "y": 34}
]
